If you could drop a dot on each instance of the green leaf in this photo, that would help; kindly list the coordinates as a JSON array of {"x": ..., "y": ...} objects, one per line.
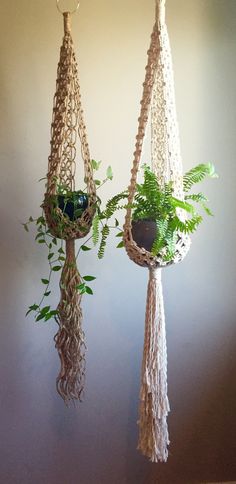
[
  {"x": 54, "y": 312},
  {"x": 120, "y": 234},
  {"x": 39, "y": 234},
  {"x": 78, "y": 212},
  {"x": 41, "y": 241},
  {"x": 109, "y": 173},
  {"x": 89, "y": 278},
  {"x": 54, "y": 241},
  {"x": 80, "y": 286},
  {"x": 83, "y": 228},
  {"x": 62, "y": 258},
  {"x": 31, "y": 219},
  {"x": 56, "y": 268},
  {"x": 88, "y": 290},
  {"x": 39, "y": 317},
  {"x": 41, "y": 220},
  {"x": 48, "y": 316},
  {"x": 120, "y": 245},
  {"x": 61, "y": 251},
  {"x": 47, "y": 293},
  {"x": 45, "y": 310},
  {"x": 26, "y": 227},
  {"x": 34, "y": 307},
  {"x": 95, "y": 164},
  {"x": 50, "y": 256},
  {"x": 97, "y": 182},
  {"x": 85, "y": 248},
  {"x": 45, "y": 281}
]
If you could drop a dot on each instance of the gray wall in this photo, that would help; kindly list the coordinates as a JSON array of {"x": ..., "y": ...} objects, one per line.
[{"x": 41, "y": 440}]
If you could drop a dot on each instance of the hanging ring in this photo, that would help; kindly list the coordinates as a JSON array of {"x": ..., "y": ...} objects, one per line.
[{"x": 73, "y": 11}]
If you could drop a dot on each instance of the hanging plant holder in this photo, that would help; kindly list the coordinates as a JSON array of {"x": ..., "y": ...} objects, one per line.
[
  {"x": 157, "y": 101},
  {"x": 69, "y": 216}
]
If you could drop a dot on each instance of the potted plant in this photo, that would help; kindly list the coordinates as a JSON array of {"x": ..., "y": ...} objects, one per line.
[
  {"x": 71, "y": 204},
  {"x": 156, "y": 219}
]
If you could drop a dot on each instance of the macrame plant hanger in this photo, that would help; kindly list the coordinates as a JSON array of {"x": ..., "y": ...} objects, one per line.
[
  {"x": 158, "y": 100},
  {"x": 67, "y": 125}
]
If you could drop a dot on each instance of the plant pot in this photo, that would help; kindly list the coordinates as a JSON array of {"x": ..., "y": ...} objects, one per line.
[
  {"x": 73, "y": 205},
  {"x": 144, "y": 233}
]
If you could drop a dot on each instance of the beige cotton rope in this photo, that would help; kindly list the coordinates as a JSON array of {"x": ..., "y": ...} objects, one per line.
[
  {"x": 153, "y": 434},
  {"x": 157, "y": 102},
  {"x": 67, "y": 125}
]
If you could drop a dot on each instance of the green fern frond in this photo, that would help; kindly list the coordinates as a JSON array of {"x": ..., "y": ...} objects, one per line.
[
  {"x": 196, "y": 197},
  {"x": 105, "y": 232},
  {"x": 182, "y": 204},
  {"x": 171, "y": 239},
  {"x": 207, "y": 210},
  {"x": 201, "y": 199},
  {"x": 150, "y": 187},
  {"x": 160, "y": 240},
  {"x": 188, "y": 226},
  {"x": 113, "y": 205},
  {"x": 95, "y": 229},
  {"x": 197, "y": 174}
]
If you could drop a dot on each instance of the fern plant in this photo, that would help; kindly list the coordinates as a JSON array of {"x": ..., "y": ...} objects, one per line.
[
  {"x": 157, "y": 203},
  {"x": 153, "y": 202}
]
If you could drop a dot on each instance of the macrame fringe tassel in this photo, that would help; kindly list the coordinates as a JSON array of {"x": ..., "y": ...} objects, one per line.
[
  {"x": 154, "y": 404},
  {"x": 70, "y": 342}
]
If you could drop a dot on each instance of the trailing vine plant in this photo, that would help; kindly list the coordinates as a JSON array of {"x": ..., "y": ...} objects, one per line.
[{"x": 55, "y": 247}]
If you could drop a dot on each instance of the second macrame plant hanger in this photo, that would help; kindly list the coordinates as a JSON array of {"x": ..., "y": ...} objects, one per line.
[
  {"x": 158, "y": 100},
  {"x": 67, "y": 125}
]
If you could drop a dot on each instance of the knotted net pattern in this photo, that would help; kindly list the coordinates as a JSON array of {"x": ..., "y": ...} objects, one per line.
[
  {"x": 158, "y": 101},
  {"x": 68, "y": 129},
  {"x": 67, "y": 125}
]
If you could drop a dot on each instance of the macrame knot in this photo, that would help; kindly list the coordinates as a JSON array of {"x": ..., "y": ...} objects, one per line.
[
  {"x": 67, "y": 22},
  {"x": 155, "y": 274}
]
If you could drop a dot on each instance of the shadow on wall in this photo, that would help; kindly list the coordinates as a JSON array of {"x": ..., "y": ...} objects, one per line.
[
  {"x": 204, "y": 451},
  {"x": 199, "y": 450}
]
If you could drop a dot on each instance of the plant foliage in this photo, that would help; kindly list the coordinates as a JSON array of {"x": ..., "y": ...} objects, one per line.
[
  {"x": 172, "y": 215},
  {"x": 151, "y": 202}
]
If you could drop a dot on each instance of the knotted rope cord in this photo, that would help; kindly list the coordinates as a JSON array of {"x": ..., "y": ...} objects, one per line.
[
  {"x": 154, "y": 404},
  {"x": 158, "y": 93},
  {"x": 165, "y": 145},
  {"x": 67, "y": 123},
  {"x": 70, "y": 339},
  {"x": 142, "y": 124}
]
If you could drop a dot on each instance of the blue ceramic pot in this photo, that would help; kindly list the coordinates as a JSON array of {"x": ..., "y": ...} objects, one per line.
[{"x": 73, "y": 205}]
